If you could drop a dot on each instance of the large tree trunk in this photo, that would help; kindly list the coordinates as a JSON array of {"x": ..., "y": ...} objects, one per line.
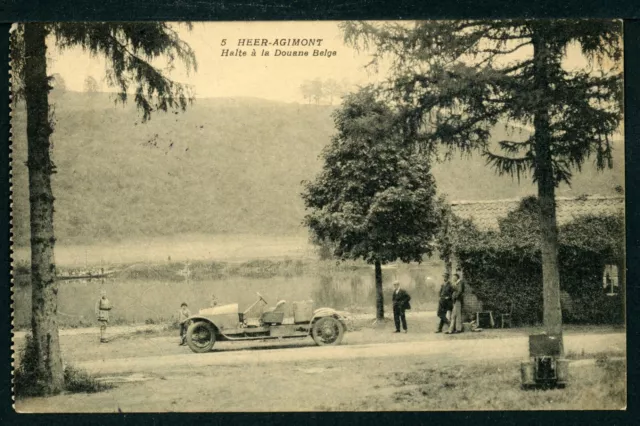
[
  {"x": 552, "y": 312},
  {"x": 379, "y": 295},
  {"x": 44, "y": 289}
]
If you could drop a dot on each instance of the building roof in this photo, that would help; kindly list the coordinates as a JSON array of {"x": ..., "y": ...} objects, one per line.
[{"x": 485, "y": 214}]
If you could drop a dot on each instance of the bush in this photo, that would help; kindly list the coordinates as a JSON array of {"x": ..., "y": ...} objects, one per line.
[
  {"x": 259, "y": 268},
  {"x": 27, "y": 382},
  {"x": 78, "y": 381},
  {"x": 26, "y": 379},
  {"x": 504, "y": 267}
]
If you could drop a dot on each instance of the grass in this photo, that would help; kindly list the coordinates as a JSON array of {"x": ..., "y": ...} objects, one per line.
[
  {"x": 117, "y": 178},
  {"x": 28, "y": 383},
  {"x": 497, "y": 387}
]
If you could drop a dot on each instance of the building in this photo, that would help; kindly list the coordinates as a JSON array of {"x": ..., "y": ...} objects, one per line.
[{"x": 485, "y": 215}]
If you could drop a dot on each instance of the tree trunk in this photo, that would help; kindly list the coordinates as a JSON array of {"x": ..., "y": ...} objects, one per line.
[
  {"x": 44, "y": 289},
  {"x": 552, "y": 312},
  {"x": 379, "y": 295}
]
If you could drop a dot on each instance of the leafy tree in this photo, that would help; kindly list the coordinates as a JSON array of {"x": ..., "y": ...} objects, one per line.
[
  {"x": 91, "y": 85},
  {"x": 333, "y": 89},
  {"x": 129, "y": 49},
  {"x": 455, "y": 80},
  {"x": 306, "y": 90},
  {"x": 316, "y": 88},
  {"x": 375, "y": 197}
]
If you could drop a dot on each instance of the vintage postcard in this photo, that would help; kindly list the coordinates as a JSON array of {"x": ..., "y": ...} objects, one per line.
[{"x": 318, "y": 216}]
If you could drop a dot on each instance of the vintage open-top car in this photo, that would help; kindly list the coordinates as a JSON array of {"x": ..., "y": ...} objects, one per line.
[{"x": 226, "y": 323}]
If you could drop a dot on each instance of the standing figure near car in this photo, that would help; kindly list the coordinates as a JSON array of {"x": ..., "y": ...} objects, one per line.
[
  {"x": 103, "y": 306},
  {"x": 456, "y": 313},
  {"x": 445, "y": 304},
  {"x": 183, "y": 316},
  {"x": 400, "y": 303}
]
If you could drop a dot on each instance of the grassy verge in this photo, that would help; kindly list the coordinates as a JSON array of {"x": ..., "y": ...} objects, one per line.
[
  {"x": 598, "y": 386},
  {"x": 28, "y": 383}
]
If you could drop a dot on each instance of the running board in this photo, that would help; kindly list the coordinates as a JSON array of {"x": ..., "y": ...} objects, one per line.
[{"x": 299, "y": 336}]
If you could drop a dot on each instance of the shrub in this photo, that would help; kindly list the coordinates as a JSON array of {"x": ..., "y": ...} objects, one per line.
[
  {"x": 78, "y": 381},
  {"x": 504, "y": 267},
  {"x": 28, "y": 383}
]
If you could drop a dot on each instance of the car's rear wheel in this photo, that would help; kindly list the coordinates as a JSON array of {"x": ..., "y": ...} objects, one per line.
[
  {"x": 201, "y": 336},
  {"x": 327, "y": 331}
]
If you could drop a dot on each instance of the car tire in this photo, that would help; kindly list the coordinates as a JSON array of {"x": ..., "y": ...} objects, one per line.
[
  {"x": 195, "y": 339},
  {"x": 327, "y": 331}
]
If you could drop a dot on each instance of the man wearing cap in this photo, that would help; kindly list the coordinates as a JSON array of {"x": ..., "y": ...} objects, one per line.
[{"x": 400, "y": 303}]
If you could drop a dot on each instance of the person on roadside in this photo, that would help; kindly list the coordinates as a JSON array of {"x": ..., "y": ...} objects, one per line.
[
  {"x": 445, "y": 305},
  {"x": 183, "y": 319},
  {"x": 456, "y": 312},
  {"x": 400, "y": 301},
  {"x": 103, "y": 306}
]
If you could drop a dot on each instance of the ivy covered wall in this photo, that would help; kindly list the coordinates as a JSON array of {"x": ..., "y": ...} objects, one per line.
[{"x": 504, "y": 266}]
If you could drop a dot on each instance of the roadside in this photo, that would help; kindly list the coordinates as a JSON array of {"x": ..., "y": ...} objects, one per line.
[
  {"x": 452, "y": 350},
  {"x": 419, "y": 322},
  {"x": 395, "y": 383},
  {"x": 144, "y": 348},
  {"x": 374, "y": 369}
]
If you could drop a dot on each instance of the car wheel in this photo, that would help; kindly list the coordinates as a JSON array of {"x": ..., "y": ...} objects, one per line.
[
  {"x": 201, "y": 336},
  {"x": 327, "y": 331}
]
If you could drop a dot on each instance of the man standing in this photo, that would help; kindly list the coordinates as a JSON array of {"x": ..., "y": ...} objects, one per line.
[
  {"x": 183, "y": 320},
  {"x": 456, "y": 313},
  {"x": 445, "y": 304},
  {"x": 400, "y": 303},
  {"x": 103, "y": 306}
]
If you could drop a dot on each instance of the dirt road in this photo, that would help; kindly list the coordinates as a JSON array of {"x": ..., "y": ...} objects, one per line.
[
  {"x": 374, "y": 369},
  {"x": 456, "y": 351}
]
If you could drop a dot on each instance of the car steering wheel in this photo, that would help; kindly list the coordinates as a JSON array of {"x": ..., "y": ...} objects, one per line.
[{"x": 262, "y": 298}]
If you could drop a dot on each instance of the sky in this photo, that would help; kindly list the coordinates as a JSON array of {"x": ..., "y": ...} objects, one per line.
[{"x": 274, "y": 77}]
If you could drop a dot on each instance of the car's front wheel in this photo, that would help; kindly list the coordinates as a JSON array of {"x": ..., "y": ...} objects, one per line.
[
  {"x": 327, "y": 331},
  {"x": 201, "y": 336}
]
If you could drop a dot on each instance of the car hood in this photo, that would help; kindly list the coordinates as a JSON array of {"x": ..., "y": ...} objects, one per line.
[{"x": 231, "y": 308}]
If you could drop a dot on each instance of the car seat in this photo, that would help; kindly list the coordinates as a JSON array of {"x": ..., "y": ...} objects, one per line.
[{"x": 274, "y": 315}]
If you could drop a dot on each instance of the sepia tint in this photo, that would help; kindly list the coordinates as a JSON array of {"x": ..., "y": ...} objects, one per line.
[{"x": 318, "y": 216}]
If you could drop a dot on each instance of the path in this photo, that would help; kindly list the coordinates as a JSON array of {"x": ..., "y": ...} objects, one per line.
[{"x": 511, "y": 348}]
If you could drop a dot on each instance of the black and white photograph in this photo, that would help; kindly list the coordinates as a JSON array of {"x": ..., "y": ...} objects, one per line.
[{"x": 315, "y": 216}]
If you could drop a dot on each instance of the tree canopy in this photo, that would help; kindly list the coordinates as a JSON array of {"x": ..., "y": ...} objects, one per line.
[
  {"x": 458, "y": 79},
  {"x": 375, "y": 197},
  {"x": 130, "y": 50},
  {"x": 454, "y": 81}
]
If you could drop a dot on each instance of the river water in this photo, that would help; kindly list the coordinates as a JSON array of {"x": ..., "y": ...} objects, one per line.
[{"x": 139, "y": 300}]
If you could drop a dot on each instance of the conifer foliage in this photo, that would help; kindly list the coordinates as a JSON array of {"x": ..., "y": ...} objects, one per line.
[
  {"x": 132, "y": 52},
  {"x": 455, "y": 80}
]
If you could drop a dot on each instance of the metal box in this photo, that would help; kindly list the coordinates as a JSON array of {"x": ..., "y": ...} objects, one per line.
[
  {"x": 562, "y": 370},
  {"x": 528, "y": 374},
  {"x": 543, "y": 345}
]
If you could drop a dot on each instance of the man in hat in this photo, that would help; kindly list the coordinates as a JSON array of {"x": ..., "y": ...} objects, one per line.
[
  {"x": 400, "y": 303},
  {"x": 458, "y": 299},
  {"x": 445, "y": 305},
  {"x": 103, "y": 306}
]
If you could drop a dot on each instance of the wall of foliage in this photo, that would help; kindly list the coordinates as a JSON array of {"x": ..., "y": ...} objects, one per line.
[{"x": 504, "y": 266}]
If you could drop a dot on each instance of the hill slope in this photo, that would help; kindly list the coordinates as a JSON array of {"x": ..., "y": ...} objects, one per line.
[{"x": 223, "y": 166}]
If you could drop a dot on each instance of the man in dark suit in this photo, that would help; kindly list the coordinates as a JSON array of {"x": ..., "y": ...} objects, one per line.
[
  {"x": 400, "y": 303},
  {"x": 445, "y": 304},
  {"x": 458, "y": 299}
]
